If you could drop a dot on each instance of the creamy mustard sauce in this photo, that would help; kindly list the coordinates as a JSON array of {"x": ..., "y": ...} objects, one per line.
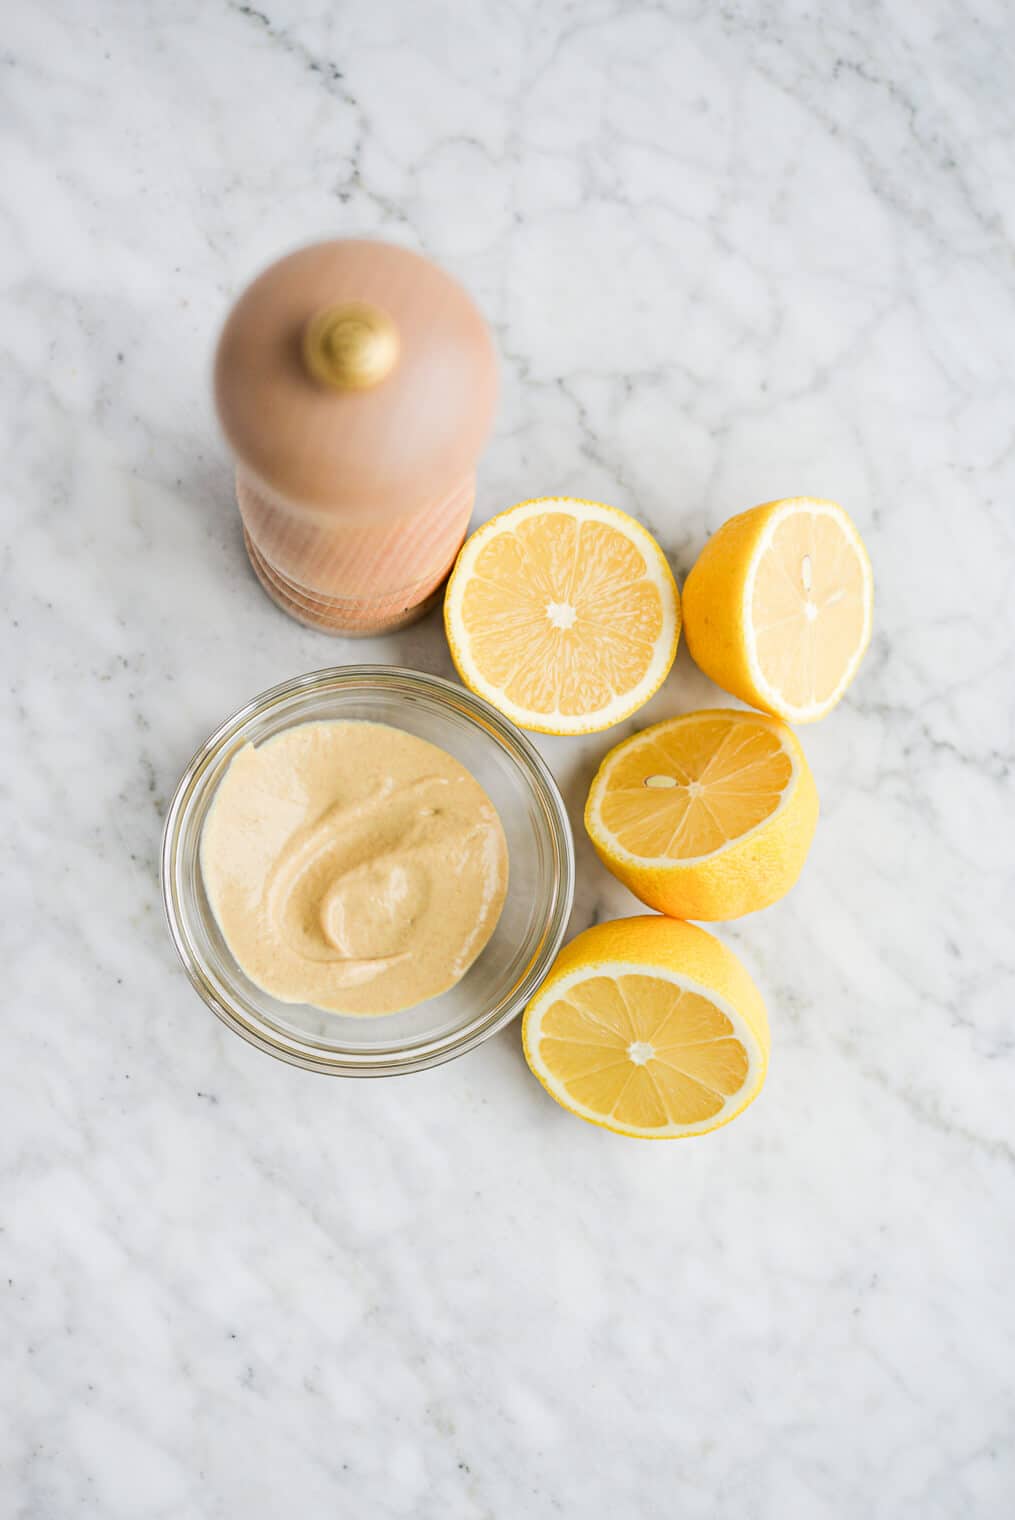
[{"x": 353, "y": 866}]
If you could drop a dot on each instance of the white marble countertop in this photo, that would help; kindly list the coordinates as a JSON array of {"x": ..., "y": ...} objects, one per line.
[{"x": 729, "y": 253}]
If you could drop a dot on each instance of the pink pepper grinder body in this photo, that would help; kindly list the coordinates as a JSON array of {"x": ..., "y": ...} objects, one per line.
[{"x": 356, "y": 383}]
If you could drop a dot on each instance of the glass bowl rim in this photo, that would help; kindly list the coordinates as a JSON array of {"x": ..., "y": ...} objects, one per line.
[{"x": 427, "y": 1053}]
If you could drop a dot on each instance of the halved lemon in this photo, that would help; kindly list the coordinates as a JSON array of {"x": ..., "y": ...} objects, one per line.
[
  {"x": 648, "y": 1027},
  {"x": 564, "y": 614},
  {"x": 778, "y": 608},
  {"x": 709, "y": 815}
]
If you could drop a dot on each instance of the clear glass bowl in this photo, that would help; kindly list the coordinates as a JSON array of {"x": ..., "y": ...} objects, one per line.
[{"x": 528, "y": 933}]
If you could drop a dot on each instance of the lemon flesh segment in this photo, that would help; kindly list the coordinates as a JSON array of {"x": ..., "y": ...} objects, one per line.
[
  {"x": 779, "y": 606},
  {"x": 709, "y": 816},
  {"x": 564, "y": 614},
  {"x": 646, "y": 1049}
]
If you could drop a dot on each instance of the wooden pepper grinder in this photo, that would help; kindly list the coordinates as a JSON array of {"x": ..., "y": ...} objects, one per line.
[{"x": 356, "y": 384}]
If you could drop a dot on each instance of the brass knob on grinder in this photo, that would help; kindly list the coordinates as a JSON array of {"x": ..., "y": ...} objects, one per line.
[{"x": 350, "y": 347}]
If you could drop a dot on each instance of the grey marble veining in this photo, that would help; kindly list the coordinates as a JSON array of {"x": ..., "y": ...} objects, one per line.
[{"x": 730, "y": 252}]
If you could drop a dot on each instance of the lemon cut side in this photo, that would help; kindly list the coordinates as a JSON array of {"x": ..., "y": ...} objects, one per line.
[
  {"x": 564, "y": 614},
  {"x": 707, "y": 816},
  {"x": 779, "y": 607},
  {"x": 650, "y": 1028}
]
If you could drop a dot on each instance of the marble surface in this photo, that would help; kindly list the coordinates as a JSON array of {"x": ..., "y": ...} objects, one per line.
[{"x": 730, "y": 252}]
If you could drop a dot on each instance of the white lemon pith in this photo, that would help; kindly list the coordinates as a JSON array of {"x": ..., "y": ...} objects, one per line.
[
  {"x": 705, "y": 816},
  {"x": 648, "y": 1027},
  {"x": 778, "y": 608},
  {"x": 564, "y": 614}
]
